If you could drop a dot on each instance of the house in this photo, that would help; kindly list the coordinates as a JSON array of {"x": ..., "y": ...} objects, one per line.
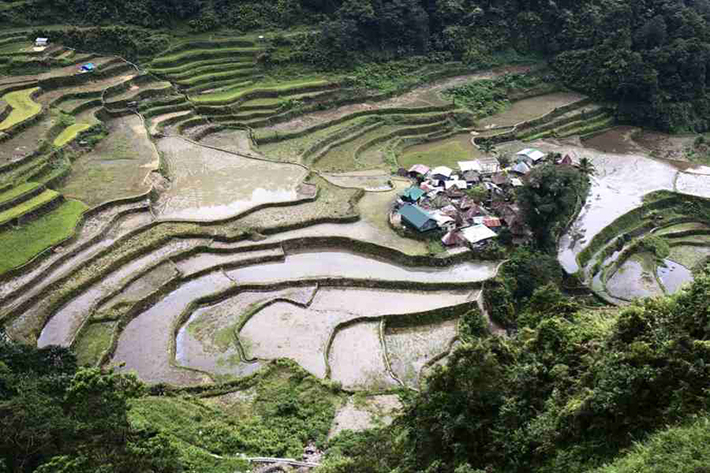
[
  {"x": 500, "y": 179},
  {"x": 493, "y": 223},
  {"x": 515, "y": 182},
  {"x": 417, "y": 218},
  {"x": 461, "y": 185},
  {"x": 452, "y": 238},
  {"x": 566, "y": 161},
  {"x": 477, "y": 234},
  {"x": 418, "y": 170},
  {"x": 441, "y": 173},
  {"x": 473, "y": 213},
  {"x": 470, "y": 166},
  {"x": 42, "y": 42},
  {"x": 521, "y": 168},
  {"x": 529, "y": 156},
  {"x": 489, "y": 165},
  {"x": 412, "y": 195},
  {"x": 88, "y": 67},
  {"x": 472, "y": 177},
  {"x": 443, "y": 220}
]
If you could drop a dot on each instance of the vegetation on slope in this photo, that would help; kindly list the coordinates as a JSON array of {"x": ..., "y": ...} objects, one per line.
[{"x": 23, "y": 107}]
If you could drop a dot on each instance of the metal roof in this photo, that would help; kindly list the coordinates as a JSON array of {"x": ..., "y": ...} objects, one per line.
[
  {"x": 413, "y": 193},
  {"x": 477, "y": 233},
  {"x": 416, "y": 216}
]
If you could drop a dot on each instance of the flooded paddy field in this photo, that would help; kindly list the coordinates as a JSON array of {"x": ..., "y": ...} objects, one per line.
[
  {"x": 117, "y": 168},
  {"x": 636, "y": 278},
  {"x": 527, "y": 109},
  {"x": 357, "y": 359},
  {"x": 207, "y": 184},
  {"x": 411, "y": 347}
]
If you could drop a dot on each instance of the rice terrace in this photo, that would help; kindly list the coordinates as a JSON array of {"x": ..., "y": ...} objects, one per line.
[{"x": 224, "y": 229}]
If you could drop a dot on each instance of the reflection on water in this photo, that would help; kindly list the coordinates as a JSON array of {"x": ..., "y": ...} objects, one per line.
[{"x": 673, "y": 276}]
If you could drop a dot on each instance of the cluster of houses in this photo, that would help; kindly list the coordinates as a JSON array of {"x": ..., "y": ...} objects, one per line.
[{"x": 441, "y": 199}]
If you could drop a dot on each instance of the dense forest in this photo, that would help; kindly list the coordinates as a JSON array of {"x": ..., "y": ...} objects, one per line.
[{"x": 648, "y": 56}]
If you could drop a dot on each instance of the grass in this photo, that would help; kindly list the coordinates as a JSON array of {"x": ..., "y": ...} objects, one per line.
[
  {"x": 20, "y": 245},
  {"x": 230, "y": 95},
  {"x": 684, "y": 449},
  {"x": 28, "y": 206},
  {"x": 211, "y": 69},
  {"x": 448, "y": 153},
  {"x": 23, "y": 107},
  {"x": 17, "y": 191},
  {"x": 214, "y": 77},
  {"x": 204, "y": 54},
  {"x": 93, "y": 341},
  {"x": 187, "y": 69},
  {"x": 69, "y": 133}
]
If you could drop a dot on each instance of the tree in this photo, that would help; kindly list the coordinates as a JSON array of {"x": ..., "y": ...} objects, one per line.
[
  {"x": 477, "y": 193},
  {"x": 586, "y": 167}
]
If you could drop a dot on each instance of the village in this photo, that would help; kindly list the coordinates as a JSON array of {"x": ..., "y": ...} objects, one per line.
[{"x": 471, "y": 206}]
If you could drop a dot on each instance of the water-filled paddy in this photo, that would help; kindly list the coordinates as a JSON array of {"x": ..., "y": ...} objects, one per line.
[
  {"x": 527, "y": 109},
  {"x": 673, "y": 276},
  {"x": 634, "y": 279},
  {"x": 207, "y": 184},
  {"x": 340, "y": 264},
  {"x": 357, "y": 358}
]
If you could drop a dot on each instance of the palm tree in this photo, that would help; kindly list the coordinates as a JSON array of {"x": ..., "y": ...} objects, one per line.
[
  {"x": 586, "y": 167},
  {"x": 487, "y": 147}
]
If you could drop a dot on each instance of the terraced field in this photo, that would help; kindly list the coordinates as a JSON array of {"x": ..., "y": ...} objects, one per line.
[{"x": 194, "y": 221}]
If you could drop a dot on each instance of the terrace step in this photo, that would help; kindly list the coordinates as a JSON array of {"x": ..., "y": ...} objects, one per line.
[
  {"x": 196, "y": 55},
  {"x": 36, "y": 205},
  {"x": 19, "y": 194},
  {"x": 188, "y": 68},
  {"x": 216, "y": 78},
  {"x": 212, "y": 87},
  {"x": 210, "y": 69}
]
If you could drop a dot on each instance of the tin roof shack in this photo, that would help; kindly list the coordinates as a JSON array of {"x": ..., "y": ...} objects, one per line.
[
  {"x": 489, "y": 165},
  {"x": 472, "y": 177},
  {"x": 418, "y": 171},
  {"x": 417, "y": 218},
  {"x": 466, "y": 166},
  {"x": 42, "y": 42},
  {"x": 530, "y": 156},
  {"x": 477, "y": 234},
  {"x": 441, "y": 173},
  {"x": 500, "y": 179},
  {"x": 566, "y": 161},
  {"x": 412, "y": 195},
  {"x": 521, "y": 168}
]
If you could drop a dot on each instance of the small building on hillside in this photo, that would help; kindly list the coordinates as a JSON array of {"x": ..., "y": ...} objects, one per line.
[
  {"x": 477, "y": 234},
  {"x": 441, "y": 173},
  {"x": 521, "y": 168},
  {"x": 566, "y": 161},
  {"x": 42, "y": 42},
  {"x": 88, "y": 67},
  {"x": 417, "y": 218},
  {"x": 530, "y": 156},
  {"x": 457, "y": 184},
  {"x": 489, "y": 165},
  {"x": 515, "y": 182},
  {"x": 412, "y": 195},
  {"x": 470, "y": 166},
  {"x": 472, "y": 177},
  {"x": 418, "y": 170},
  {"x": 500, "y": 179}
]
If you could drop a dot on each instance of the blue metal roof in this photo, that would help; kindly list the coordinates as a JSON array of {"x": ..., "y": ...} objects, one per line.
[
  {"x": 415, "y": 216},
  {"x": 413, "y": 193}
]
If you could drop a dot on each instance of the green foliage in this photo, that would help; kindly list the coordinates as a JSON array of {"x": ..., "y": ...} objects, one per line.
[
  {"x": 487, "y": 97},
  {"x": 549, "y": 199},
  {"x": 63, "y": 419},
  {"x": 472, "y": 326}
]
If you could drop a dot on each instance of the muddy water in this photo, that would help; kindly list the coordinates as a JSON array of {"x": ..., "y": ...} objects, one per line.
[
  {"x": 618, "y": 186},
  {"x": 62, "y": 327},
  {"x": 357, "y": 358},
  {"x": 409, "y": 348},
  {"x": 527, "y": 109},
  {"x": 673, "y": 276},
  {"x": 207, "y": 341},
  {"x": 202, "y": 261},
  {"x": 350, "y": 265},
  {"x": 615, "y": 141},
  {"x": 286, "y": 330},
  {"x": 209, "y": 185},
  {"x": 632, "y": 281},
  {"x": 145, "y": 344},
  {"x": 143, "y": 286},
  {"x": 694, "y": 184}
]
